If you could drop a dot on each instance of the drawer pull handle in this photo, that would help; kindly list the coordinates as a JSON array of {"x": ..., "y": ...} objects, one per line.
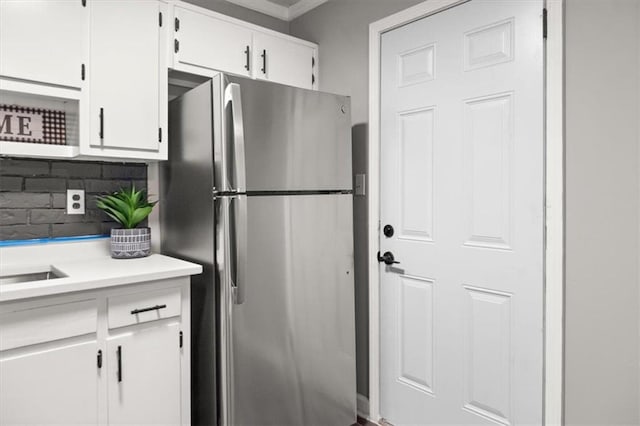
[
  {"x": 152, "y": 308},
  {"x": 101, "y": 133}
]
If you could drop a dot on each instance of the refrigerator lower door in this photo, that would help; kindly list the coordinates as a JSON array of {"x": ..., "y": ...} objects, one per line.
[{"x": 290, "y": 343}]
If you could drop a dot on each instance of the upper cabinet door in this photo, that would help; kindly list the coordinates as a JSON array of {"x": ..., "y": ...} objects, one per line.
[
  {"x": 43, "y": 40},
  {"x": 283, "y": 61},
  {"x": 125, "y": 76},
  {"x": 214, "y": 44}
]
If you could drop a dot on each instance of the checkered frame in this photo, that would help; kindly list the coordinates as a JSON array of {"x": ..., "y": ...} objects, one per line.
[{"x": 54, "y": 125}]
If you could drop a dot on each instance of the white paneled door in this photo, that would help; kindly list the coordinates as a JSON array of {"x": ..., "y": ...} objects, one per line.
[{"x": 462, "y": 187}]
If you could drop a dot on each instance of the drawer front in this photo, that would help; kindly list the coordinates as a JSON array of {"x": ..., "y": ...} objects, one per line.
[
  {"x": 48, "y": 323},
  {"x": 139, "y": 308}
]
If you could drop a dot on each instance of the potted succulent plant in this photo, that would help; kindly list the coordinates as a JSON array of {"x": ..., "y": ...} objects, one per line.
[{"x": 129, "y": 208}]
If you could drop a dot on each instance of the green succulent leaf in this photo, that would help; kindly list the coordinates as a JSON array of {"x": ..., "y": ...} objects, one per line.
[
  {"x": 126, "y": 206},
  {"x": 139, "y": 215},
  {"x": 116, "y": 215}
]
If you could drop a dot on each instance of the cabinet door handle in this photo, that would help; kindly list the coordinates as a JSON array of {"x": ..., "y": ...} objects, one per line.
[
  {"x": 264, "y": 61},
  {"x": 247, "y": 65},
  {"x": 150, "y": 308},
  {"x": 101, "y": 123},
  {"x": 119, "y": 353}
]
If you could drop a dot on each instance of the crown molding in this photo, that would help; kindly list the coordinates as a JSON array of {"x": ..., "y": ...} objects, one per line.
[
  {"x": 277, "y": 11},
  {"x": 264, "y": 6},
  {"x": 302, "y": 7}
]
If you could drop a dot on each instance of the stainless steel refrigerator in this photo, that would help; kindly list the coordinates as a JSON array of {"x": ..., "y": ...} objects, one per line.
[{"x": 257, "y": 189}]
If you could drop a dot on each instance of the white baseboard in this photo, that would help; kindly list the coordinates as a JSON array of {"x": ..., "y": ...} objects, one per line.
[{"x": 363, "y": 406}]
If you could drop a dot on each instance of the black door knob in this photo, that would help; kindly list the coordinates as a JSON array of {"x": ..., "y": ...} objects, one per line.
[
  {"x": 388, "y": 231},
  {"x": 387, "y": 258}
]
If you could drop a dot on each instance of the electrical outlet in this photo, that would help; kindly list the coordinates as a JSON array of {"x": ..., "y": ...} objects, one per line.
[
  {"x": 75, "y": 201},
  {"x": 361, "y": 183}
]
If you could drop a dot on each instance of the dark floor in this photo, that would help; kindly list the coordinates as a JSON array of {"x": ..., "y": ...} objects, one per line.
[{"x": 363, "y": 422}]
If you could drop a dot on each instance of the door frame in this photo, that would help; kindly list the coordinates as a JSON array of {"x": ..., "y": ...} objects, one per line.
[{"x": 554, "y": 201}]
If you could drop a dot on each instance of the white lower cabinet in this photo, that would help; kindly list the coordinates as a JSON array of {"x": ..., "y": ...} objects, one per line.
[
  {"x": 113, "y": 356},
  {"x": 57, "y": 382},
  {"x": 144, "y": 376}
]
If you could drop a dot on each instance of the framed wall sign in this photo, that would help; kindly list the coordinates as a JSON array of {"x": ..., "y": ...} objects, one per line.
[{"x": 32, "y": 125}]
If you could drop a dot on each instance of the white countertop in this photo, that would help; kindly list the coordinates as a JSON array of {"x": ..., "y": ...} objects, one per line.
[{"x": 97, "y": 271}]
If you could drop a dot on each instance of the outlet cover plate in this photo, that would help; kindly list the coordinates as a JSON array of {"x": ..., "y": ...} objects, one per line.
[
  {"x": 361, "y": 183},
  {"x": 75, "y": 201}
]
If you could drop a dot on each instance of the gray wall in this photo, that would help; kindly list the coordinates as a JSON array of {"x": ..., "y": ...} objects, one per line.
[
  {"x": 601, "y": 358},
  {"x": 244, "y": 14},
  {"x": 341, "y": 28},
  {"x": 33, "y": 196}
]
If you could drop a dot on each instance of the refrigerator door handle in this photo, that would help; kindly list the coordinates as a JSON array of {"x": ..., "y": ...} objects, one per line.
[
  {"x": 240, "y": 234},
  {"x": 232, "y": 94}
]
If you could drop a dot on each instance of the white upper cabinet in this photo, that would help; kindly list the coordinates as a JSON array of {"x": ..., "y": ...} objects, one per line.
[
  {"x": 281, "y": 60},
  {"x": 126, "y": 79},
  {"x": 213, "y": 44},
  {"x": 106, "y": 63},
  {"x": 43, "y": 41},
  {"x": 205, "y": 42}
]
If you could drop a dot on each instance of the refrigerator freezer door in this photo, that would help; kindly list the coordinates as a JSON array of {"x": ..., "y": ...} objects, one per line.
[
  {"x": 291, "y": 342},
  {"x": 295, "y": 139}
]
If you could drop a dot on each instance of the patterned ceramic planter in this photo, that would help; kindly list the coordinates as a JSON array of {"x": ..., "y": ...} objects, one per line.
[{"x": 130, "y": 243}]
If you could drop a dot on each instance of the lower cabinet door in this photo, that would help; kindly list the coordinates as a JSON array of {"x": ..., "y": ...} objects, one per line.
[
  {"x": 50, "y": 385},
  {"x": 144, "y": 376}
]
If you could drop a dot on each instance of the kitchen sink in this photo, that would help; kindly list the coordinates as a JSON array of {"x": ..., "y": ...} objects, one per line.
[{"x": 48, "y": 274}]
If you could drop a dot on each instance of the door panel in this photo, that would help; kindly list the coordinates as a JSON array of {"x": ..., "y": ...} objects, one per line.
[
  {"x": 295, "y": 139},
  {"x": 462, "y": 183},
  {"x": 416, "y": 168},
  {"x": 415, "y": 341},
  {"x": 488, "y": 182},
  {"x": 488, "y": 352},
  {"x": 293, "y": 348}
]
